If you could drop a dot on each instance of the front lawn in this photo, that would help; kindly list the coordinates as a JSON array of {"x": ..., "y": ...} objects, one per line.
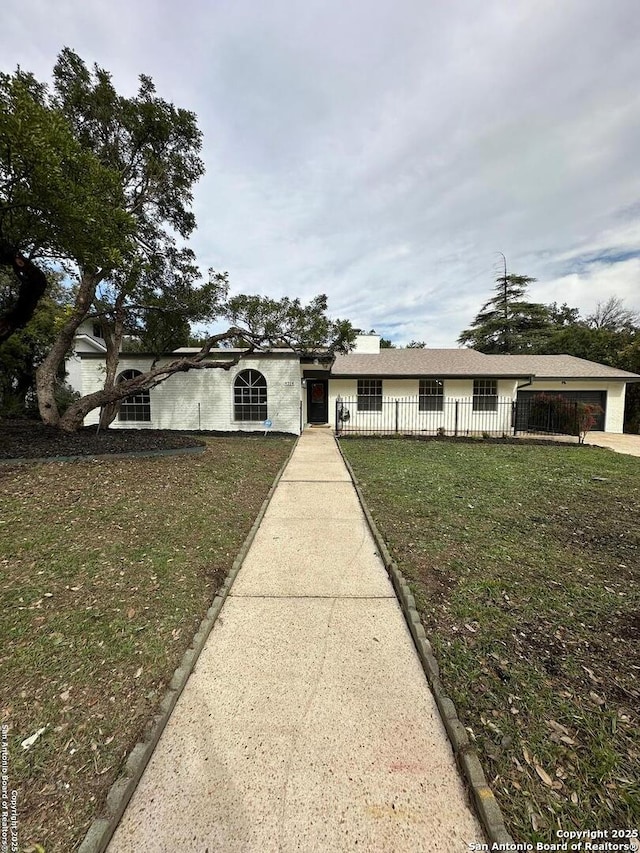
[
  {"x": 108, "y": 568},
  {"x": 525, "y": 564}
]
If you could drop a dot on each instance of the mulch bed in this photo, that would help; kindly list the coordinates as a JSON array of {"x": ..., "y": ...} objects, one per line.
[
  {"x": 520, "y": 439},
  {"x": 23, "y": 439}
]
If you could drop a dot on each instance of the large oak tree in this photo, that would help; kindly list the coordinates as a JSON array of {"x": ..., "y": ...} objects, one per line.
[
  {"x": 137, "y": 274},
  {"x": 153, "y": 149},
  {"x": 57, "y": 201}
]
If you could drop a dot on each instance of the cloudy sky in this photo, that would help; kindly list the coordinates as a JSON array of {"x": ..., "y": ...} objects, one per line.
[{"x": 384, "y": 152}]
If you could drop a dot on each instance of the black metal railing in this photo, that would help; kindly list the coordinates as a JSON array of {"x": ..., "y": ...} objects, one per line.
[{"x": 476, "y": 416}]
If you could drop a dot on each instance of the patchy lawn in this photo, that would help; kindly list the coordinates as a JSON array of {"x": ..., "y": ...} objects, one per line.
[
  {"x": 108, "y": 568},
  {"x": 525, "y": 564}
]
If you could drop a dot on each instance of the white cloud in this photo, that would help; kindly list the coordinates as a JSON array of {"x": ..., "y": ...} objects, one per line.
[
  {"x": 383, "y": 153},
  {"x": 596, "y": 284}
]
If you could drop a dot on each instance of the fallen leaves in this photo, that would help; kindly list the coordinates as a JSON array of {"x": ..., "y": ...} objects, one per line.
[
  {"x": 551, "y": 623},
  {"x": 542, "y": 773},
  {"x": 560, "y": 733},
  {"x": 79, "y": 597}
]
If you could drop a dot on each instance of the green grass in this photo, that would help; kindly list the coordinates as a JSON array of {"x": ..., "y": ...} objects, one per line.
[
  {"x": 108, "y": 568},
  {"x": 525, "y": 564}
]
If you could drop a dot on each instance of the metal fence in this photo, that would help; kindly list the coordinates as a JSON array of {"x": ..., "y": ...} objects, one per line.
[{"x": 488, "y": 416}]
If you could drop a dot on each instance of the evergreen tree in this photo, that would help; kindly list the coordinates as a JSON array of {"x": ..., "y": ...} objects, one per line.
[{"x": 507, "y": 323}]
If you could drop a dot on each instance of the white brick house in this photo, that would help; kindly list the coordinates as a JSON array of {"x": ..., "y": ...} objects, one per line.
[{"x": 290, "y": 392}]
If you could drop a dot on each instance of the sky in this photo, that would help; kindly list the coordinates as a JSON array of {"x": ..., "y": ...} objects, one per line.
[{"x": 385, "y": 152}]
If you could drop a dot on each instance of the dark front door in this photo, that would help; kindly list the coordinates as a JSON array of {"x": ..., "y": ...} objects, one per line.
[{"x": 317, "y": 401}]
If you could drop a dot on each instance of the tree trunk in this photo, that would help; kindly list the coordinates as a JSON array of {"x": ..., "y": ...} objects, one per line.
[
  {"x": 73, "y": 418},
  {"x": 113, "y": 340},
  {"x": 33, "y": 284},
  {"x": 47, "y": 373}
]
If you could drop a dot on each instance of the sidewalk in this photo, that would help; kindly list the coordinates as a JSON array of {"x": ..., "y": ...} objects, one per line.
[{"x": 307, "y": 724}]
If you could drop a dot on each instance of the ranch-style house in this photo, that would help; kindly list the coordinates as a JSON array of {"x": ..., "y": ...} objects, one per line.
[{"x": 450, "y": 391}]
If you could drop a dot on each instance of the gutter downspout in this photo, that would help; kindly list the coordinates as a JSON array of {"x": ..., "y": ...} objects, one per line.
[{"x": 524, "y": 385}]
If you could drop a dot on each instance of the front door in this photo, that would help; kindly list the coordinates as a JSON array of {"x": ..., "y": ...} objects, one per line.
[{"x": 317, "y": 401}]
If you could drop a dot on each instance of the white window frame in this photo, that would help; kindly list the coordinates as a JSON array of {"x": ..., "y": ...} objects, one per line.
[
  {"x": 431, "y": 401},
  {"x": 369, "y": 400},
  {"x": 485, "y": 395},
  {"x": 252, "y": 396}
]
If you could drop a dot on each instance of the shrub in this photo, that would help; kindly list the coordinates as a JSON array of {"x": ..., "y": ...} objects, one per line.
[
  {"x": 587, "y": 417},
  {"x": 65, "y": 395},
  {"x": 555, "y": 414}
]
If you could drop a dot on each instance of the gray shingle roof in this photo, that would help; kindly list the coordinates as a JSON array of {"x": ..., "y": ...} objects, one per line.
[
  {"x": 446, "y": 363},
  {"x": 559, "y": 367}
]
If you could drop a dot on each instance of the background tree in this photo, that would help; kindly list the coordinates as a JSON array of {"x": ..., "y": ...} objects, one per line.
[
  {"x": 562, "y": 315},
  {"x": 507, "y": 323},
  {"x": 614, "y": 316},
  {"x": 21, "y": 353},
  {"x": 416, "y": 345}
]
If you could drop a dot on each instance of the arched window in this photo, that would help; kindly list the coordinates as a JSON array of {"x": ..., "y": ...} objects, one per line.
[
  {"x": 137, "y": 407},
  {"x": 250, "y": 396}
]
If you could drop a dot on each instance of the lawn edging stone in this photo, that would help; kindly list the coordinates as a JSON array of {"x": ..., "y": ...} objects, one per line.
[
  {"x": 465, "y": 753},
  {"x": 102, "y": 828}
]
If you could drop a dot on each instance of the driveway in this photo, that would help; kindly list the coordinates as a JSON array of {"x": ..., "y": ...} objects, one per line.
[{"x": 629, "y": 444}]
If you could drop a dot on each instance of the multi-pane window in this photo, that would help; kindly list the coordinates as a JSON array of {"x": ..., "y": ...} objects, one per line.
[
  {"x": 136, "y": 407},
  {"x": 485, "y": 395},
  {"x": 250, "y": 396},
  {"x": 369, "y": 395},
  {"x": 431, "y": 395}
]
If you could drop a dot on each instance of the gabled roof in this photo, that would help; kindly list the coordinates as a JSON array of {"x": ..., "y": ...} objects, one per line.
[
  {"x": 418, "y": 362},
  {"x": 560, "y": 367},
  {"x": 468, "y": 363},
  {"x": 90, "y": 343},
  {"x": 443, "y": 363}
]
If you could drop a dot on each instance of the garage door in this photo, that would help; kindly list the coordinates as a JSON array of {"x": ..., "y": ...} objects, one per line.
[{"x": 524, "y": 411}]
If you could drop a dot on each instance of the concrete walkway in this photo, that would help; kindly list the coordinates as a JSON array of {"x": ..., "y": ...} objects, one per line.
[
  {"x": 621, "y": 443},
  {"x": 307, "y": 724}
]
